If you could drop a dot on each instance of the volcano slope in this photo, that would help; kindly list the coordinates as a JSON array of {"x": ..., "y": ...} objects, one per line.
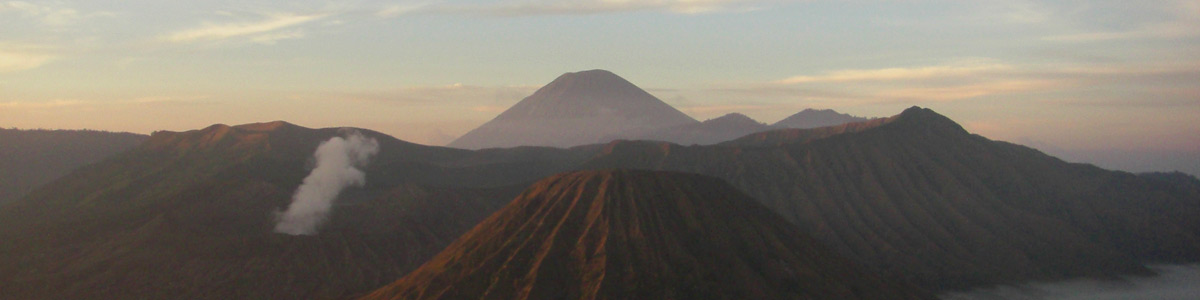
[
  {"x": 918, "y": 196},
  {"x": 189, "y": 215},
  {"x": 620, "y": 234},
  {"x": 575, "y": 109}
]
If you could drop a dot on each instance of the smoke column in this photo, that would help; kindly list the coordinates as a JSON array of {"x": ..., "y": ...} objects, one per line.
[{"x": 338, "y": 160}]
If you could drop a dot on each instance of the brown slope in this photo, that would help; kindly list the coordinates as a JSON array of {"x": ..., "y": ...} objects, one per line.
[
  {"x": 917, "y": 195},
  {"x": 188, "y": 215},
  {"x": 575, "y": 109},
  {"x": 637, "y": 235}
]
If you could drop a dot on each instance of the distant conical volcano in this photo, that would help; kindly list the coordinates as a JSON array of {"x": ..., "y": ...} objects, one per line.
[
  {"x": 638, "y": 235},
  {"x": 575, "y": 109}
]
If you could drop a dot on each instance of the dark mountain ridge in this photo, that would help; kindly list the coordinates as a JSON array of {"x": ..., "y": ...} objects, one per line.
[
  {"x": 189, "y": 215},
  {"x": 620, "y": 234},
  {"x": 712, "y": 131},
  {"x": 815, "y": 118},
  {"x": 917, "y": 195}
]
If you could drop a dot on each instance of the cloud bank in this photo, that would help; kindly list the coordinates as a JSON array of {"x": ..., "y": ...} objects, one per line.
[
  {"x": 1173, "y": 283},
  {"x": 594, "y": 7},
  {"x": 12, "y": 61}
]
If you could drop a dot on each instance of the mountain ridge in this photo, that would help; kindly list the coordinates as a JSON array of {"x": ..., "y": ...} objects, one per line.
[
  {"x": 813, "y": 118},
  {"x": 190, "y": 216},
  {"x": 708, "y": 132},
  {"x": 622, "y": 234},
  {"x": 915, "y": 194}
]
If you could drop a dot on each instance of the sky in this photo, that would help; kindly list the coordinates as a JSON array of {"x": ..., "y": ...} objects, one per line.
[{"x": 1115, "y": 83}]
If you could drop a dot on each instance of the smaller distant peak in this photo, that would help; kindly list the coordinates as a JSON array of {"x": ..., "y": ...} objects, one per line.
[
  {"x": 917, "y": 112},
  {"x": 592, "y": 72},
  {"x": 595, "y": 75},
  {"x": 814, "y": 118},
  {"x": 733, "y": 119},
  {"x": 217, "y": 126},
  {"x": 926, "y": 117},
  {"x": 813, "y": 112},
  {"x": 267, "y": 126},
  {"x": 733, "y": 116}
]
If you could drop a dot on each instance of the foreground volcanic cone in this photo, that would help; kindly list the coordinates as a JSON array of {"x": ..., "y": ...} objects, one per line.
[{"x": 638, "y": 235}]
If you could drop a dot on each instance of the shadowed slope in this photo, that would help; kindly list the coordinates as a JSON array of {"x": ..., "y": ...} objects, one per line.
[
  {"x": 31, "y": 158},
  {"x": 917, "y": 195},
  {"x": 189, "y": 215},
  {"x": 638, "y": 235}
]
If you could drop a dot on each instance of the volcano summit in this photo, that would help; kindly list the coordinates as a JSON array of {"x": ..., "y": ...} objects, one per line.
[{"x": 575, "y": 109}]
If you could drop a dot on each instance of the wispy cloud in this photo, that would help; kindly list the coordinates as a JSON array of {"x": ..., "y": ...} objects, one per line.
[
  {"x": 959, "y": 92},
  {"x": 188, "y": 100},
  {"x": 54, "y": 15},
  {"x": 588, "y": 7},
  {"x": 1179, "y": 98},
  {"x": 273, "y": 37},
  {"x": 489, "y": 108},
  {"x": 160, "y": 101},
  {"x": 19, "y": 58},
  {"x": 441, "y": 94},
  {"x": 59, "y": 103},
  {"x": 1025, "y": 12},
  {"x": 262, "y": 31},
  {"x": 1156, "y": 31},
  {"x": 710, "y": 109},
  {"x": 957, "y": 81},
  {"x": 1181, "y": 19},
  {"x": 398, "y": 9},
  {"x": 894, "y": 74}
]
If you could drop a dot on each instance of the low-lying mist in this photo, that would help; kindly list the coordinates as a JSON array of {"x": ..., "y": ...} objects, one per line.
[{"x": 1174, "y": 282}]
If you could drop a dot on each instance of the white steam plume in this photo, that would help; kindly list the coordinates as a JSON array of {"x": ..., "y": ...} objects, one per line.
[{"x": 338, "y": 160}]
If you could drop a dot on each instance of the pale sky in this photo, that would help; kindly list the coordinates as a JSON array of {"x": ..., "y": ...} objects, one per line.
[{"x": 1082, "y": 79}]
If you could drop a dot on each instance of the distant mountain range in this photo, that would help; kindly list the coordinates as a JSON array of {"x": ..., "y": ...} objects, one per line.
[
  {"x": 31, "y": 158},
  {"x": 735, "y": 125},
  {"x": 709, "y": 132},
  {"x": 918, "y": 196},
  {"x": 598, "y": 106},
  {"x": 189, "y": 215},
  {"x": 906, "y": 204},
  {"x": 639, "y": 235}
]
